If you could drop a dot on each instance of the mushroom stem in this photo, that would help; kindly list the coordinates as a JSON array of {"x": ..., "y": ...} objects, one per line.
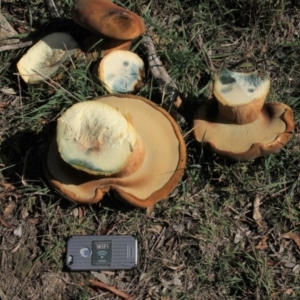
[{"x": 241, "y": 96}]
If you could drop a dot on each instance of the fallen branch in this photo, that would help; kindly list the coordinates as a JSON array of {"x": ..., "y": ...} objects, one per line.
[
  {"x": 111, "y": 289},
  {"x": 52, "y": 9},
  {"x": 161, "y": 76}
]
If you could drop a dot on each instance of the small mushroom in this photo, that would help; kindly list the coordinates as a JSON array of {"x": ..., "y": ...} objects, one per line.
[
  {"x": 158, "y": 146},
  {"x": 235, "y": 126},
  {"x": 45, "y": 57},
  {"x": 120, "y": 71},
  {"x": 117, "y": 25}
]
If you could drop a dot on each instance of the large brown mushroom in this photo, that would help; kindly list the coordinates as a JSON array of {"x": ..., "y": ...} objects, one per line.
[
  {"x": 117, "y": 25},
  {"x": 159, "y": 162},
  {"x": 237, "y": 124}
]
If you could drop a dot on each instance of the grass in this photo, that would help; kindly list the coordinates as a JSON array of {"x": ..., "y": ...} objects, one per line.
[{"x": 201, "y": 243}]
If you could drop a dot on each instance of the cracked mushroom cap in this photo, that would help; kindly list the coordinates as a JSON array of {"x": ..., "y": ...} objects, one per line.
[
  {"x": 108, "y": 19},
  {"x": 271, "y": 130},
  {"x": 45, "y": 57},
  {"x": 157, "y": 175}
]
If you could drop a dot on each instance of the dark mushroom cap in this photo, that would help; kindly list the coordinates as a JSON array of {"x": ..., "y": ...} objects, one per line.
[{"x": 108, "y": 19}]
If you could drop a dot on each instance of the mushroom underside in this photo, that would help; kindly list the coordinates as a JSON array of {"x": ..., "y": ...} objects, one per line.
[
  {"x": 268, "y": 133},
  {"x": 156, "y": 177}
]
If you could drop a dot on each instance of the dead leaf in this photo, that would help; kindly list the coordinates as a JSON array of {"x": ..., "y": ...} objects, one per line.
[
  {"x": 101, "y": 277},
  {"x": 262, "y": 244},
  {"x": 81, "y": 214},
  {"x": 271, "y": 263},
  {"x": 18, "y": 231},
  {"x": 15, "y": 249},
  {"x": 289, "y": 292},
  {"x": 6, "y": 32},
  {"x": 34, "y": 221},
  {"x": 296, "y": 269},
  {"x": 24, "y": 213},
  {"x": 292, "y": 235},
  {"x": 9, "y": 209},
  {"x": 5, "y": 223},
  {"x": 109, "y": 273},
  {"x": 75, "y": 212},
  {"x": 287, "y": 264},
  {"x": 8, "y": 91},
  {"x": 257, "y": 217},
  {"x": 7, "y": 185}
]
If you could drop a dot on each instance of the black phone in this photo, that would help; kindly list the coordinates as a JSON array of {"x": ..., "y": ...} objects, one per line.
[{"x": 101, "y": 252}]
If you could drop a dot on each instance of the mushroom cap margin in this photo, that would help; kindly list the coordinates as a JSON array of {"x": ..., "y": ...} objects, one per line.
[{"x": 256, "y": 149}]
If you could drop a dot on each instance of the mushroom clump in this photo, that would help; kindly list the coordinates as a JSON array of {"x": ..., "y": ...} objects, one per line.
[
  {"x": 238, "y": 124},
  {"x": 120, "y": 143}
]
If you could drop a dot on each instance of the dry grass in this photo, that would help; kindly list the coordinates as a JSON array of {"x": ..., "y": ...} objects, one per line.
[{"x": 202, "y": 242}]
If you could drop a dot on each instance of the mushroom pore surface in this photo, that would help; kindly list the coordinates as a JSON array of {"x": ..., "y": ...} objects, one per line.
[
  {"x": 213, "y": 128},
  {"x": 157, "y": 175},
  {"x": 95, "y": 137}
]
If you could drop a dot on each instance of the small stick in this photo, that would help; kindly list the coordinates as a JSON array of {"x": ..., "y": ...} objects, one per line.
[
  {"x": 111, "y": 289},
  {"x": 52, "y": 9},
  {"x": 159, "y": 73}
]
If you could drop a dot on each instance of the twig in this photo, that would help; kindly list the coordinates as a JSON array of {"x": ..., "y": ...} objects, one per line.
[
  {"x": 2, "y": 295},
  {"x": 111, "y": 289},
  {"x": 52, "y": 9},
  {"x": 159, "y": 73},
  {"x": 16, "y": 46}
]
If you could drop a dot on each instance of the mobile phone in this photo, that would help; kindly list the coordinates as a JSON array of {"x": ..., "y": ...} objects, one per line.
[{"x": 101, "y": 252}]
